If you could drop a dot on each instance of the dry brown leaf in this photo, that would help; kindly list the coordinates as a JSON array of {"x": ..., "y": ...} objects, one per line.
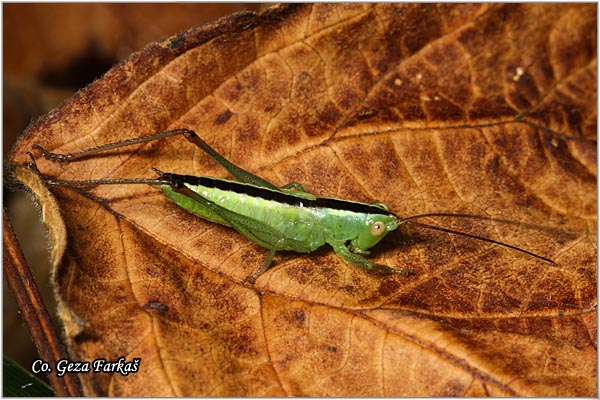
[{"x": 428, "y": 108}]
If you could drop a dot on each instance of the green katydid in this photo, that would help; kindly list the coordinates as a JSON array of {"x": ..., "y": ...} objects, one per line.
[{"x": 278, "y": 218}]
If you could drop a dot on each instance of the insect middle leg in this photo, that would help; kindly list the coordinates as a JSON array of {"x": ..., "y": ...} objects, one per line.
[{"x": 266, "y": 263}]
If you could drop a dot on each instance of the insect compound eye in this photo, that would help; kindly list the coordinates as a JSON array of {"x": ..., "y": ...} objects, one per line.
[{"x": 378, "y": 228}]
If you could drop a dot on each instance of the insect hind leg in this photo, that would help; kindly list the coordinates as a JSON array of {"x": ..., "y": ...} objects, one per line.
[
  {"x": 68, "y": 157},
  {"x": 238, "y": 173}
]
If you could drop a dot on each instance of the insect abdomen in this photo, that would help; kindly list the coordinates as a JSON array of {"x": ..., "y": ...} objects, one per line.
[{"x": 298, "y": 223}]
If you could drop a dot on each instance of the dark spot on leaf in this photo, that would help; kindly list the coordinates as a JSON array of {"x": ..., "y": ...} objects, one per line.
[
  {"x": 574, "y": 119},
  {"x": 177, "y": 41},
  {"x": 490, "y": 107},
  {"x": 206, "y": 326},
  {"x": 349, "y": 290},
  {"x": 524, "y": 93},
  {"x": 85, "y": 336},
  {"x": 299, "y": 315},
  {"x": 157, "y": 306},
  {"x": 330, "y": 115},
  {"x": 444, "y": 110},
  {"x": 415, "y": 37},
  {"x": 388, "y": 287},
  {"x": 241, "y": 341},
  {"x": 365, "y": 114},
  {"x": 223, "y": 117},
  {"x": 452, "y": 389}
]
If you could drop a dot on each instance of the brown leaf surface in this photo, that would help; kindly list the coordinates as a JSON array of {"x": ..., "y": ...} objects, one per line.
[{"x": 428, "y": 108}]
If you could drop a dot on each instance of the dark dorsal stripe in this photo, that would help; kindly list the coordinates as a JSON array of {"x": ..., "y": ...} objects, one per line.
[{"x": 272, "y": 195}]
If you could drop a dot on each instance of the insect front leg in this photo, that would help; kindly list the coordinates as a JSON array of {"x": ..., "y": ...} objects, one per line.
[{"x": 342, "y": 250}]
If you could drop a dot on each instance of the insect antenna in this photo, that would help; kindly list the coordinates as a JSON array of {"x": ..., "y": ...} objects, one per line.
[{"x": 411, "y": 220}]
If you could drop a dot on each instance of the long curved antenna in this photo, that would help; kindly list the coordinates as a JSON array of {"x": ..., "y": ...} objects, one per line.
[
  {"x": 480, "y": 217},
  {"x": 410, "y": 220}
]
